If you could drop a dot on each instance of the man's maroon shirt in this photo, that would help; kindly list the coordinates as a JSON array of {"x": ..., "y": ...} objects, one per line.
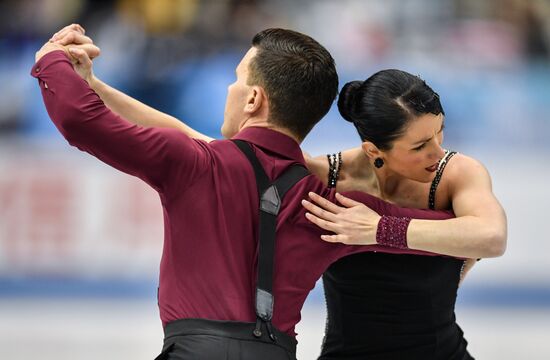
[{"x": 210, "y": 205}]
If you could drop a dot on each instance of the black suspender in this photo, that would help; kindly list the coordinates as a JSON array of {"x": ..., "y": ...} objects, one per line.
[{"x": 271, "y": 195}]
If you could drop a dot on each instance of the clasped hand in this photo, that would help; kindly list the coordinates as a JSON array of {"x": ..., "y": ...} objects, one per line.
[
  {"x": 79, "y": 47},
  {"x": 352, "y": 223}
]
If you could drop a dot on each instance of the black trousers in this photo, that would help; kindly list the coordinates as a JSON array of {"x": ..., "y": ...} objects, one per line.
[{"x": 201, "y": 339}]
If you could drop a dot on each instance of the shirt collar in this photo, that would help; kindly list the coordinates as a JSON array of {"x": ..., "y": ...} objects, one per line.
[{"x": 273, "y": 141}]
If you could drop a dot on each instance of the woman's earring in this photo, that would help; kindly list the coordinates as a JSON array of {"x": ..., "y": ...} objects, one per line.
[{"x": 378, "y": 162}]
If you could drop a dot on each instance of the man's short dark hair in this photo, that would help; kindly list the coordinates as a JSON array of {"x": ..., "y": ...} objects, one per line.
[{"x": 298, "y": 75}]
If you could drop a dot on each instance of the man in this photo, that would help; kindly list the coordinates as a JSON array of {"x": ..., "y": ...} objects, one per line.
[{"x": 285, "y": 84}]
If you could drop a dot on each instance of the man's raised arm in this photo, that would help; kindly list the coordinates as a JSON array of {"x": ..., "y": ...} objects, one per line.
[{"x": 152, "y": 154}]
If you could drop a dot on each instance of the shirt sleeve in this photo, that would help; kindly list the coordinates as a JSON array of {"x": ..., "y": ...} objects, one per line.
[
  {"x": 159, "y": 156},
  {"x": 326, "y": 253}
]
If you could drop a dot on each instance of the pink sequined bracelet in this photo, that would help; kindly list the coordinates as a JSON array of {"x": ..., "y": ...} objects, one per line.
[{"x": 392, "y": 231}]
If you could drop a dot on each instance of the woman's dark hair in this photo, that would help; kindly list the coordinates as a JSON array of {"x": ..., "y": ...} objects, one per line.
[
  {"x": 298, "y": 75},
  {"x": 382, "y": 106}
]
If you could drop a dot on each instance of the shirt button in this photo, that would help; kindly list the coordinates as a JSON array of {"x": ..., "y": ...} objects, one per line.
[{"x": 37, "y": 69}]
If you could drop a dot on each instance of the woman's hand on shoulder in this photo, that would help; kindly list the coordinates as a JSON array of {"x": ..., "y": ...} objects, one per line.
[{"x": 353, "y": 223}]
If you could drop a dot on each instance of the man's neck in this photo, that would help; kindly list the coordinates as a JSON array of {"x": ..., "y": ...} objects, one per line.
[{"x": 268, "y": 125}]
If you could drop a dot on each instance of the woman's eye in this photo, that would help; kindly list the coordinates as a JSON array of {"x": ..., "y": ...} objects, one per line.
[{"x": 418, "y": 148}]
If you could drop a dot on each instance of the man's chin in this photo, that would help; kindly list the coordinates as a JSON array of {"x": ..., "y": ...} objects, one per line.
[
  {"x": 224, "y": 132},
  {"x": 228, "y": 133}
]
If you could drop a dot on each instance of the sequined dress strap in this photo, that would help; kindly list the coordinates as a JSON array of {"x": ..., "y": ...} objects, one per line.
[
  {"x": 334, "y": 166},
  {"x": 431, "y": 197}
]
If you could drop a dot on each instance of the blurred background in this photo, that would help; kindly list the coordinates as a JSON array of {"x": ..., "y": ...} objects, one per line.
[{"x": 80, "y": 243}]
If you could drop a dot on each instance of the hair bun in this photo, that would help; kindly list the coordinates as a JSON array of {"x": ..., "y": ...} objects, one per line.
[{"x": 346, "y": 100}]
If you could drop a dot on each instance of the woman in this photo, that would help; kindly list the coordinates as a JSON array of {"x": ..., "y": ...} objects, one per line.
[{"x": 382, "y": 306}]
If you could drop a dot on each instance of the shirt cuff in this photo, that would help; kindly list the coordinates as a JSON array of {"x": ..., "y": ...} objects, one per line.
[{"x": 47, "y": 60}]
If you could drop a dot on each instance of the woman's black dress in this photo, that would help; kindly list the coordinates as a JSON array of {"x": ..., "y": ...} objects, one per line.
[{"x": 391, "y": 306}]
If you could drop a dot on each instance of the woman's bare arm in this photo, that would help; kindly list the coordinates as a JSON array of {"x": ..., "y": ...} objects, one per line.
[
  {"x": 129, "y": 108},
  {"x": 478, "y": 231},
  {"x": 139, "y": 113},
  {"x": 480, "y": 227}
]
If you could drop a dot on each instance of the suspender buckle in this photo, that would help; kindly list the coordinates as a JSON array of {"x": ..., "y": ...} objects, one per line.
[
  {"x": 264, "y": 304},
  {"x": 270, "y": 201}
]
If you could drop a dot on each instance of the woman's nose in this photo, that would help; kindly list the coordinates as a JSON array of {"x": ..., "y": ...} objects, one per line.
[{"x": 439, "y": 152}]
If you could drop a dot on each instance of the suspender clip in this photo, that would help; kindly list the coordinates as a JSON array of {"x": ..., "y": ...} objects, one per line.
[
  {"x": 270, "y": 331},
  {"x": 258, "y": 329}
]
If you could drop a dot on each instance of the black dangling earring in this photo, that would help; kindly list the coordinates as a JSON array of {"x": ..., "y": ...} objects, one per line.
[{"x": 378, "y": 162}]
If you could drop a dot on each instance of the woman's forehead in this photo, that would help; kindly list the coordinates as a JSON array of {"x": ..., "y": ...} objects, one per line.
[{"x": 422, "y": 128}]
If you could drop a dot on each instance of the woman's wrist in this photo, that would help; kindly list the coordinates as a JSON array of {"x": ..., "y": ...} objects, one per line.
[
  {"x": 93, "y": 82},
  {"x": 392, "y": 231}
]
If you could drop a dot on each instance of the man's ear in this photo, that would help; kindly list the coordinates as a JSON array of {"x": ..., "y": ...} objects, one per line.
[
  {"x": 255, "y": 100},
  {"x": 371, "y": 150}
]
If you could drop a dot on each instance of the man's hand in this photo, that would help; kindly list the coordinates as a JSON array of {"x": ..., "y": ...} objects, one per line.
[
  {"x": 78, "y": 46},
  {"x": 48, "y": 48},
  {"x": 353, "y": 223},
  {"x": 73, "y": 27}
]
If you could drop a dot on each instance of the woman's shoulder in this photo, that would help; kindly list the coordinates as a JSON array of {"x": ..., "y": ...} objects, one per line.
[
  {"x": 461, "y": 162},
  {"x": 318, "y": 166},
  {"x": 463, "y": 168},
  {"x": 330, "y": 167}
]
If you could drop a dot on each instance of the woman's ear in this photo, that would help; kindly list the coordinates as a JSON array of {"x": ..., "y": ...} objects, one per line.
[{"x": 371, "y": 150}]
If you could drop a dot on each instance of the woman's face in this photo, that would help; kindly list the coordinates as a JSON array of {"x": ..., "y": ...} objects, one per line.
[{"x": 416, "y": 154}]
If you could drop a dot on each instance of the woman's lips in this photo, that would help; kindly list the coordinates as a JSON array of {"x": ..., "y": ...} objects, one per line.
[{"x": 433, "y": 167}]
